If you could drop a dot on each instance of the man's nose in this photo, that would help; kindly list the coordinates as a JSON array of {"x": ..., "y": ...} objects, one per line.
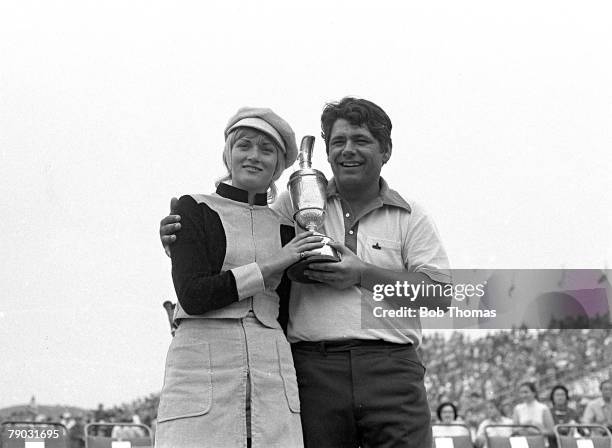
[{"x": 348, "y": 147}]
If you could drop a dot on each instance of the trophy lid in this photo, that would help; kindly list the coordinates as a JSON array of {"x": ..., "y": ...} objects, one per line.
[{"x": 305, "y": 153}]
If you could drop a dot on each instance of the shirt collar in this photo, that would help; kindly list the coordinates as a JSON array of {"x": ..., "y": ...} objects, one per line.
[
  {"x": 237, "y": 194},
  {"x": 386, "y": 195}
]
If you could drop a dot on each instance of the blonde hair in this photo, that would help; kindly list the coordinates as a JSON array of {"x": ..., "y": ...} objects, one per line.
[{"x": 231, "y": 139}]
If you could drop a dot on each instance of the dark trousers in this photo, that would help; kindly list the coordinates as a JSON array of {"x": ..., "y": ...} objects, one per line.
[{"x": 362, "y": 394}]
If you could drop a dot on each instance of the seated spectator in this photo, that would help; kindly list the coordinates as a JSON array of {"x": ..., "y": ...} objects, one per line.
[
  {"x": 66, "y": 420},
  {"x": 560, "y": 410},
  {"x": 507, "y": 409},
  {"x": 599, "y": 411},
  {"x": 474, "y": 412},
  {"x": 476, "y": 407},
  {"x": 531, "y": 411},
  {"x": 494, "y": 417},
  {"x": 76, "y": 433},
  {"x": 127, "y": 431},
  {"x": 138, "y": 431},
  {"x": 447, "y": 415}
]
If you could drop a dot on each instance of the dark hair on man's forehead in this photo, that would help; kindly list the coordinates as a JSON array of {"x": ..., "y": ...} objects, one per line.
[{"x": 358, "y": 112}]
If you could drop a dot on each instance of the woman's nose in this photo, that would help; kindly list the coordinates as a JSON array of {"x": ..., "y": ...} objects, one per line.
[{"x": 253, "y": 153}]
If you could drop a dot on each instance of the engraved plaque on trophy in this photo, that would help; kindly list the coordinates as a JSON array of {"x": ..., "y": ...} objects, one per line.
[{"x": 307, "y": 188}]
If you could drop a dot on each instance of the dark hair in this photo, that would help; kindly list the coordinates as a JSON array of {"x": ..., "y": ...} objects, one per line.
[
  {"x": 556, "y": 388},
  {"x": 358, "y": 112},
  {"x": 531, "y": 385},
  {"x": 442, "y": 406}
]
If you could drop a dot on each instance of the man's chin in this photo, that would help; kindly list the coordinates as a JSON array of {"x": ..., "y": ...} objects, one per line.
[{"x": 352, "y": 181}]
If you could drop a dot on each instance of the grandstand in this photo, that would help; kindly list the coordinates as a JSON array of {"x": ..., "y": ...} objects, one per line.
[{"x": 493, "y": 366}]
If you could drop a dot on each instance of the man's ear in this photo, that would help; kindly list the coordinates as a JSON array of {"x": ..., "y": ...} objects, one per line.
[{"x": 386, "y": 155}]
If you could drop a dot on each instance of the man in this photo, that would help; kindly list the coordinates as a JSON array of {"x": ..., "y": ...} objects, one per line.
[
  {"x": 599, "y": 411},
  {"x": 360, "y": 378},
  {"x": 475, "y": 411}
]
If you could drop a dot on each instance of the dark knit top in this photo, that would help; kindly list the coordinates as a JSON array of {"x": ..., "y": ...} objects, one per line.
[{"x": 214, "y": 258}]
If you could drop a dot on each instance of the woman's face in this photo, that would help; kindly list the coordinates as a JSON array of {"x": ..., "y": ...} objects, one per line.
[
  {"x": 253, "y": 161},
  {"x": 447, "y": 414},
  {"x": 559, "y": 397},
  {"x": 526, "y": 394}
]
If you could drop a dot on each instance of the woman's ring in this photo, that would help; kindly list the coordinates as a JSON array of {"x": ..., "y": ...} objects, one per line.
[{"x": 302, "y": 254}]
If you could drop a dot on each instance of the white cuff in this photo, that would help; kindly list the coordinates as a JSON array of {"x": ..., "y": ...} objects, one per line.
[{"x": 249, "y": 280}]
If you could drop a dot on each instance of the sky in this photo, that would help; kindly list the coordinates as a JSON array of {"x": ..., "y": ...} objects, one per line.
[{"x": 502, "y": 129}]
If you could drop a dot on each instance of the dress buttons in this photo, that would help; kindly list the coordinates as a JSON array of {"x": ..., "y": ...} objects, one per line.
[
  {"x": 351, "y": 232},
  {"x": 347, "y": 215}
]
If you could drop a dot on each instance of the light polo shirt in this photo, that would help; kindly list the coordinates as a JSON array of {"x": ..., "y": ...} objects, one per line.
[
  {"x": 391, "y": 233},
  {"x": 598, "y": 412}
]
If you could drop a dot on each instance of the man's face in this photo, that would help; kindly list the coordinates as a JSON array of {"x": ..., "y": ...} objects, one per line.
[{"x": 355, "y": 156}]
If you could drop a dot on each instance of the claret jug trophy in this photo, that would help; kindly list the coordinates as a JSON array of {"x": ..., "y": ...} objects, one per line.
[{"x": 308, "y": 190}]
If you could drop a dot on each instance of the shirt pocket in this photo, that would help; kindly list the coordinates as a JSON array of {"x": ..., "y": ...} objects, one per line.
[
  {"x": 287, "y": 371},
  {"x": 383, "y": 253},
  {"x": 187, "y": 390}
]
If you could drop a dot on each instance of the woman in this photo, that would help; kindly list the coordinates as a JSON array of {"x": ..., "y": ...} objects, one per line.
[
  {"x": 531, "y": 411},
  {"x": 448, "y": 420},
  {"x": 562, "y": 414},
  {"x": 229, "y": 379}
]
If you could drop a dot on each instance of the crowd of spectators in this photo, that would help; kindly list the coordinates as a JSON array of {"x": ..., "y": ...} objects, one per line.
[
  {"x": 489, "y": 377},
  {"x": 532, "y": 414},
  {"x": 474, "y": 378},
  {"x": 468, "y": 371}
]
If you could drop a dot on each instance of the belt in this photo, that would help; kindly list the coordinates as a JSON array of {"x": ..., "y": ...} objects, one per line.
[{"x": 344, "y": 345}]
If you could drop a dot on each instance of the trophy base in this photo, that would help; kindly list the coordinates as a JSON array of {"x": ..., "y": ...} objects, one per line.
[{"x": 296, "y": 270}]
